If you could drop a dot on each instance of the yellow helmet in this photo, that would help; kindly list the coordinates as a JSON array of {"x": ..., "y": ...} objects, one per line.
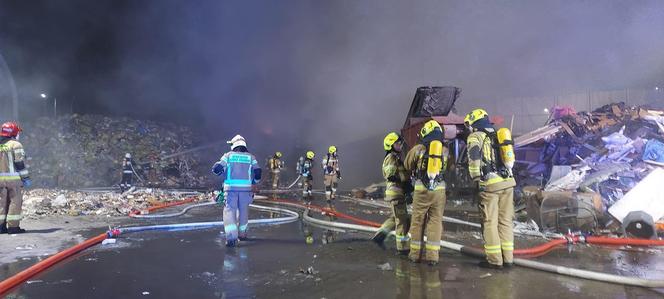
[
  {"x": 474, "y": 116},
  {"x": 390, "y": 140},
  {"x": 278, "y": 154},
  {"x": 332, "y": 149},
  {"x": 429, "y": 127},
  {"x": 310, "y": 154}
]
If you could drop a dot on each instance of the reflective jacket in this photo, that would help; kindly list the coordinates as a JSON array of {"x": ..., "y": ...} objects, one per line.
[
  {"x": 304, "y": 166},
  {"x": 275, "y": 164},
  {"x": 396, "y": 176},
  {"x": 239, "y": 169},
  {"x": 480, "y": 152},
  {"x": 12, "y": 161},
  {"x": 331, "y": 165},
  {"x": 414, "y": 161}
]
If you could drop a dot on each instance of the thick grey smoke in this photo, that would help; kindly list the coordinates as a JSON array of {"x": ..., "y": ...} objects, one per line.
[{"x": 307, "y": 74}]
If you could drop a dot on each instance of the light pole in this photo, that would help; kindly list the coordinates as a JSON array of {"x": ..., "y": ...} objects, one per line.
[{"x": 55, "y": 104}]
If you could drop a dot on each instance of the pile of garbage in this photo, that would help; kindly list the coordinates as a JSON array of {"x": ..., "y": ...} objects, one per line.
[
  {"x": 588, "y": 161},
  {"x": 41, "y": 202},
  {"x": 87, "y": 150}
]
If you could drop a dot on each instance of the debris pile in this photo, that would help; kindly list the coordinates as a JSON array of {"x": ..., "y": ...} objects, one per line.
[
  {"x": 39, "y": 202},
  {"x": 585, "y": 162},
  {"x": 87, "y": 150}
]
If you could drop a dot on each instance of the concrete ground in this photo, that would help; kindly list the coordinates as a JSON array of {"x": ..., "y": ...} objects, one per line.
[{"x": 277, "y": 263}]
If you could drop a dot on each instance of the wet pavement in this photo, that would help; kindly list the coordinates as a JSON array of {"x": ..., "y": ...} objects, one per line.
[{"x": 277, "y": 263}]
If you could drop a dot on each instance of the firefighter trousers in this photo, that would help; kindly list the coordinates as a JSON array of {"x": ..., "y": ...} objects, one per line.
[
  {"x": 275, "y": 179},
  {"x": 427, "y": 220},
  {"x": 11, "y": 203},
  {"x": 236, "y": 214},
  {"x": 307, "y": 184},
  {"x": 331, "y": 183},
  {"x": 399, "y": 221},
  {"x": 497, "y": 210}
]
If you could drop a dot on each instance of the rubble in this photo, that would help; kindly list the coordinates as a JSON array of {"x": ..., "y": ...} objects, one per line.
[
  {"x": 39, "y": 202},
  {"x": 606, "y": 152},
  {"x": 87, "y": 151}
]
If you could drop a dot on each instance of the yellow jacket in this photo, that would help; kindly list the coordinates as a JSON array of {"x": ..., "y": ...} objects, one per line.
[
  {"x": 480, "y": 150},
  {"x": 12, "y": 161},
  {"x": 396, "y": 176},
  {"x": 414, "y": 159}
]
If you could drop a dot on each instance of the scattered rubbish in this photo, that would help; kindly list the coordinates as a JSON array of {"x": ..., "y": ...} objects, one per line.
[
  {"x": 385, "y": 267},
  {"x": 26, "y": 247},
  {"x": 592, "y": 159},
  {"x": 34, "y": 281},
  {"x": 108, "y": 241},
  {"x": 146, "y": 293},
  {"x": 309, "y": 271},
  {"x": 75, "y": 151},
  {"x": 38, "y": 202},
  {"x": 485, "y": 275}
]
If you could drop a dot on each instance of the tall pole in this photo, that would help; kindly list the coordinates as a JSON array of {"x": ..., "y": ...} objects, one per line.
[{"x": 12, "y": 87}]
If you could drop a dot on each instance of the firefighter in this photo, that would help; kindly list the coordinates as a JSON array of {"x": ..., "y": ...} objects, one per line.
[
  {"x": 127, "y": 173},
  {"x": 397, "y": 186},
  {"x": 304, "y": 168},
  {"x": 13, "y": 176},
  {"x": 332, "y": 175},
  {"x": 275, "y": 165},
  {"x": 241, "y": 174},
  {"x": 426, "y": 162},
  {"x": 495, "y": 188}
]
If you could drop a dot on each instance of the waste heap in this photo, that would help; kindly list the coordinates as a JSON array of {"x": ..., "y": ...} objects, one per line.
[
  {"x": 573, "y": 170},
  {"x": 40, "y": 202},
  {"x": 87, "y": 150}
]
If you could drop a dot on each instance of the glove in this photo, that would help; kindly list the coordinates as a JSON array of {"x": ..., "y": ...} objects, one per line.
[
  {"x": 221, "y": 199},
  {"x": 329, "y": 169},
  {"x": 408, "y": 188},
  {"x": 27, "y": 182}
]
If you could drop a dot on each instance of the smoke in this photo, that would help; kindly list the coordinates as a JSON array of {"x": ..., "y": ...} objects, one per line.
[{"x": 299, "y": 75}]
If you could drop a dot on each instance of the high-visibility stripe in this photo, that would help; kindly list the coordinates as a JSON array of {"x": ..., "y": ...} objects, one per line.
[
  {"x": 10, "y": 178},
  {"x": 14, "y": 217},
  {"x": 243, "y": 227},
  {"x": 403, "y": 238},
  {"x": 422, "y": 188},
  {"x": 492, "y": 249},
  {"x": 415, "y": 245},
  {"x": 2, "y": 217},
  {"x": 237, "y": 182},
  {"x": 230, "y": 227},
  {"x": 509, "y": 246},
  {"x": 434, "y": 247}
]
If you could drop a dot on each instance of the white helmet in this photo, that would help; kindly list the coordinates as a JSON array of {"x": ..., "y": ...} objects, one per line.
[
  {"x": 128, "y": 156},
  {"x": 237, "y": 141}
]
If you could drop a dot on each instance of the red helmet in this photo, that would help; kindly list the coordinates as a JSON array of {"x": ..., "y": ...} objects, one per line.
[{"x": 10, "y": 129}]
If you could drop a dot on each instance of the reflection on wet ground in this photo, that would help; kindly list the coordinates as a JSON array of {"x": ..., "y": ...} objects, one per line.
[{"x": 279, "y": 262}]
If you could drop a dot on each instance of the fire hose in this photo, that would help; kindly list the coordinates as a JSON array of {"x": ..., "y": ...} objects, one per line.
[
  {"x": 17, "y": 279},
  {"x": 586, "y": 274}
]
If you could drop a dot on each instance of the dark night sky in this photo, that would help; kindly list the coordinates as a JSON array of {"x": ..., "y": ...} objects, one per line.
[{"x": 314, "y": 73}]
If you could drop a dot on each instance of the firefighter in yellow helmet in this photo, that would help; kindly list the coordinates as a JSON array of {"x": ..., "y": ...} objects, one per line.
[
  {"x": 489, "y": 163},
  {"x": 304, "y": 168},
  {"x": 275, "y": 165},
  {"x": 332, "y": 175},
  {"x": 426, "y": 162},
  {"x": 397, "y": 187}
]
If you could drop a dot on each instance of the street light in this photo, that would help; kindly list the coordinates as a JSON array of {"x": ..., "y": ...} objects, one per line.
[{"x": 55, "y": 104}]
